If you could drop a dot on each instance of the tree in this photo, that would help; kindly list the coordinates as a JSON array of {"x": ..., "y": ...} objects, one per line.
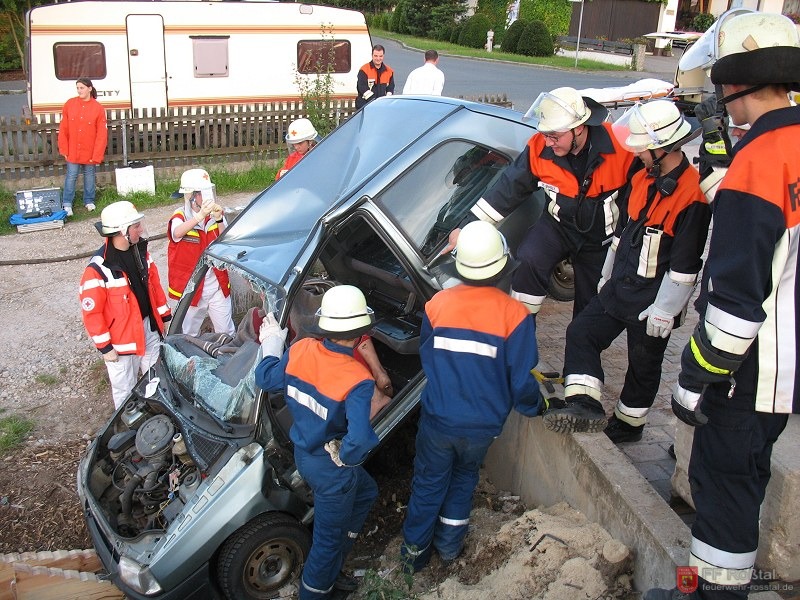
[
  {"x": 12, "y": 13},
  {"x": 535, "y": 40}
]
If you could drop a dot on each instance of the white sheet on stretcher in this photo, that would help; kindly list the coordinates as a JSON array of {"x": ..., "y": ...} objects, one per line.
[{"x": 644, "y": 89}]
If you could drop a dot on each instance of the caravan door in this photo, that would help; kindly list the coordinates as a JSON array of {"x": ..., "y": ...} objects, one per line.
[{"x": 146, "y": 61}]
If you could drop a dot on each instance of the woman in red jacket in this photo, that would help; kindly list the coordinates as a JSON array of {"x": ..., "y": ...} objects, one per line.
[{"x": 82, "y": 139}]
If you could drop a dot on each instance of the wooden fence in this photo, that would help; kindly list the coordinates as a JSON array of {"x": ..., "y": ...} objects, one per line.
[{"x": 169, "y": 139}]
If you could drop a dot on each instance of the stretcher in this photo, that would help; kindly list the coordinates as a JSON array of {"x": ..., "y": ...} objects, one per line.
[{"x": 641, "y": 91}]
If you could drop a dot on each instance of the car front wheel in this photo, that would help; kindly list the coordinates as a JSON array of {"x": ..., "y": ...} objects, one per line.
[
  {"x": 262, "y": 557},
  {"x": 562, "y": 282}
]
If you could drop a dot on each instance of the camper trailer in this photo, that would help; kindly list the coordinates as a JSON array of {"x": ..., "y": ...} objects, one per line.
[{"x": 143, "y": 55}]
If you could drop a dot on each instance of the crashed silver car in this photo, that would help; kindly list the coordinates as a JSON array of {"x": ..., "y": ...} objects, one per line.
[{"x": 191, "y": 490}]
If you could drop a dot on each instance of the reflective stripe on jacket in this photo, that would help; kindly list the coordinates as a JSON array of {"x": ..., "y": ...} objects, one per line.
[
  {"x": 383, "y": 82},
  {"x": 328, "y": 393},
  {"x": 184, "y": 255},
  {"x": 110, "y": 311},
  {"x": 478, "y": 346}
]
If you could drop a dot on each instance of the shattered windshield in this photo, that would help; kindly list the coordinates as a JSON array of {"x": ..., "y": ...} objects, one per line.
[{"x": 217, "y": 370}]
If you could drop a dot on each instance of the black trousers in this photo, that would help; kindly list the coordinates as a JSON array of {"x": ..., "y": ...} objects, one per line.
[
  {"x": 728, "y": 473},
  {"x": 593, "y": 330},
  {"x": 547, "y": 243}
]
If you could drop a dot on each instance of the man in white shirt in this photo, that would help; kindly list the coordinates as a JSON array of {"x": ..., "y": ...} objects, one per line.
[{"x": 427, "y": 79}]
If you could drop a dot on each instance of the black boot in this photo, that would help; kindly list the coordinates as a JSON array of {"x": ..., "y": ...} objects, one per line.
[
  {"x": 345, "y": 583},
  {"x": 618, "y": 431},
  {"x": 582, "y": 413}
]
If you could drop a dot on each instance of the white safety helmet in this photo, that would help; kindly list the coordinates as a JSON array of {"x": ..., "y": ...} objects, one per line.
[
  {"x": 301, "y": 130},
  {"x": 757, "y": 49},
  {"x": 481, "y": 252},
  {"x": 343, "y": 313},
  {"x": 656, "y": 124},
  {"x": 564, "y": 109},
  {"x": 196, "y": 180},
  {"x": 117, "y": 217},
  {"x": 703, "y": 53}
]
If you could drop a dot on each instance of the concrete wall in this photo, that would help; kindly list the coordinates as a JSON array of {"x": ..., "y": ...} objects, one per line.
[{"x": 593, "y": 476}]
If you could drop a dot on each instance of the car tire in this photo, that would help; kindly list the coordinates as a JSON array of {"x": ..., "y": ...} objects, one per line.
[
  {"x": 562, "y": 282},
  {"x": 262, "y": 557}
]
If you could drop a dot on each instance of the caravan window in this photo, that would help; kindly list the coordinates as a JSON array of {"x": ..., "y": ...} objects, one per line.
[
  {"x": 210, "y": 56},
  {"x": 318, "y": 56},
  {"x": 73, "y": 60}
]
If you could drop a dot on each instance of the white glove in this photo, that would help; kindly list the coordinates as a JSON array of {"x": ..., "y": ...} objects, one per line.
[
  {"x": 333, "y": 448},
  {"x": 659, "y": 322},
  {"x": 368, "y": 94},
  {"x": 216, "y": 212},
  {"x": 272, "y": 337},
  {"x": 206, "y": 208},
  {"x": 111, "y": 356},
  {"x": 388, "y": 93},
  {"x": 672, "y": 298},
  {"x": 710, "y": 184}
]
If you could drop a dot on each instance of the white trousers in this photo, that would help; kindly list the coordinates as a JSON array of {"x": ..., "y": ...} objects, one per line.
[
  {"x": 214, "y": 303},
  {"x": 125, "y": 372}
]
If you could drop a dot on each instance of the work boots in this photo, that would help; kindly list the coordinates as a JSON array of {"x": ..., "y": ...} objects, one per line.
[
  {"x": 582, "y": 413},
  {"x": 618, "y": 431}
]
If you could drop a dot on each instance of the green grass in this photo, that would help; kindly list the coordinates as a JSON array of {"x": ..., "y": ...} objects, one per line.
[
  {"x": 255, "y": 179},
  {"x": 46, "y": 379},
  {"x": 561, "y": 62},
  {"x": 13, "y": 430}
]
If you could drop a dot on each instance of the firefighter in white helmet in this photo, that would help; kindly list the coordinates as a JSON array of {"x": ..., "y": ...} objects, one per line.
[
  {"x": 478, "y": 346},
  {"x": 300, "y": 138},
  {"x": 329, "y": 394},
  {"x": 740, "y": 374},
  {"x": 122, "y": 303},
  {"x": 581, "y": 168},
  {"x": 190, "y": 230},
  {"x": 648, "y": 277}
]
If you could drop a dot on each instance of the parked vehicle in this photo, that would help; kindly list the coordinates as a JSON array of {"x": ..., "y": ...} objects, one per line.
[
  {"x": 145, "y": 55},
  {"x": 191, "y": 489}
]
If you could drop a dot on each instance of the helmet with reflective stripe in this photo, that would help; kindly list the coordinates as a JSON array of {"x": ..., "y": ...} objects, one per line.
[
  {"x": 481, "y": 251},
  {"x": 117, "y": 217},
  {"x": 564, "y": 109},
  {"x": 758, "y": 49},
  {"x": 656, "y": 124},
  {"x": 344, "y": 313}
]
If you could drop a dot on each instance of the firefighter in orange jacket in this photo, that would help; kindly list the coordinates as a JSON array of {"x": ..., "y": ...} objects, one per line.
[
  {"x": 582, "y": 168},
  {"x": 189, "y": 232},
  {"x": 375, "y": 79},
  {"x": 123, "y": 305}
]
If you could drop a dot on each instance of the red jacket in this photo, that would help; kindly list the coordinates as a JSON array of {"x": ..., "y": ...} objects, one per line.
[
  {"x": 291, "y": 161},
  {"x": 183, "y": 256},
  {"x": 82, "y": 134},
  {"x": 110, "y": 310}
]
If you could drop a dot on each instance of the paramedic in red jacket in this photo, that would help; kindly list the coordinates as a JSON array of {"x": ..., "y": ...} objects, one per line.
[
  {"x": 189, "y": 232},
  {"x": 329, "y": 394},
  {"x": 478, "y": 346},
  {"x": 300, "y": 138},
  {"x": 82, "y": 139},
  {"x": 123, "y": 305},
  {"x": 375, "y": 79},
  {"x": 582, "y": 169}
]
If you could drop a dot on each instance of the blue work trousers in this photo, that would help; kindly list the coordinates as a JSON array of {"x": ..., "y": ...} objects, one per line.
[
  {"x": 89, "y": 187},
  {"x": 445, "y": 475},
  {"x": 343, "y": 497},
  {"x": 728, "y": 474}
]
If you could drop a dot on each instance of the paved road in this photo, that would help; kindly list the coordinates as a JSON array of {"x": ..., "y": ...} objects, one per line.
[
  {"x": 520, "y": 83},
  {"x": 464, "y": 77}
]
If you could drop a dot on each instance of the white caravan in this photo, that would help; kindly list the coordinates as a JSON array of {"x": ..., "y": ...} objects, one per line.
[{"x": 142, "y": 54}]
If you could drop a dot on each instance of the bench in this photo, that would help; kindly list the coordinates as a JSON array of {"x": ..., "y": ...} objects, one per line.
[{"x": 596, "y": 45}]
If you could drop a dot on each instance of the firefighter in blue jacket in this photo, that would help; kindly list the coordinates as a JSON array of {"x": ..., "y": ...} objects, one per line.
[
  {"x": 647, "y": 279},
  {"x": 478, "y": 346},
  {"x": 740, "y": 371},
  {"x": 328, "y": 393}
]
